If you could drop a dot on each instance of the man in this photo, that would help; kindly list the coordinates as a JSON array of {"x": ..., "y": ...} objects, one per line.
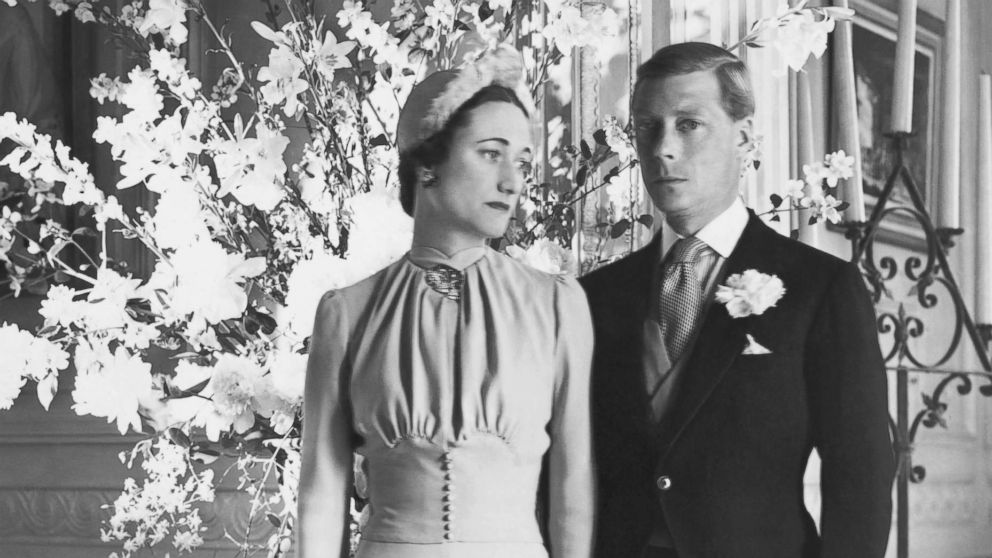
[{"x": 704, "y": 422}]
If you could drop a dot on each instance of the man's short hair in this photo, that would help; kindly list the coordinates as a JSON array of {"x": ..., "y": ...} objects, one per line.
[{"x": 686, "y": 58}]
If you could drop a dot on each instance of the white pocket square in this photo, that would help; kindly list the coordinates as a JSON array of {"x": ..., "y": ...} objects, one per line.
[{"x": 753, "y": 347}]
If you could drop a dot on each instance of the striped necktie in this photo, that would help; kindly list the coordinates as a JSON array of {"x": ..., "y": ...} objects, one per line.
[{"x": 681, "y": 296}]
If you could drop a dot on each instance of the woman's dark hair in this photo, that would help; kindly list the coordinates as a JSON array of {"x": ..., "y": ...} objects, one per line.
[{"x": 434, "y": 150}]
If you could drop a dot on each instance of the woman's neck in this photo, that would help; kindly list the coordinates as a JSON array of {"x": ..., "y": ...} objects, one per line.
[{"x": 447, "y": 240}]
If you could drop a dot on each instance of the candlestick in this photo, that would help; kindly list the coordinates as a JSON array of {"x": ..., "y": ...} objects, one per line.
[
  {"x": 808, "y": 234},
  {"x": 949, "y": 197},
  {"x": 902, "y": 83},
  {"x": 846, "y": 120},
  {"x": 983, "y": 287}
]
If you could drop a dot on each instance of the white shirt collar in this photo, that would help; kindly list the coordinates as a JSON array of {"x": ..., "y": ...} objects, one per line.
[{"x": 722, "y": 233}]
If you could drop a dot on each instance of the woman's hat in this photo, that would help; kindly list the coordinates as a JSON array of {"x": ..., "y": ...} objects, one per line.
[{"x": 432, "y": 101}]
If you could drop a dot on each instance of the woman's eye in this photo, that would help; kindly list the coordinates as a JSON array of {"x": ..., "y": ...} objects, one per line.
[{"x": 491, "y": 154}]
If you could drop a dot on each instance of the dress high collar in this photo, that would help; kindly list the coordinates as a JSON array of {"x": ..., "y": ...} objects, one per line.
[{"x": 426, "y": 257}]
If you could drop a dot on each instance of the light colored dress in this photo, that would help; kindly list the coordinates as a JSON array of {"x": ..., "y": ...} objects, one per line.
[{"x": 454, "y": 404}]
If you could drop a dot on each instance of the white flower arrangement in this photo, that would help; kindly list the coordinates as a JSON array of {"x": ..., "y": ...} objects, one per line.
[
  {"x": 795, "y": 33},
  {"x": 249, "y": 230},
  {"x": 547, "y": 256},
  {"x": 750, "y": 293},
  {"x": 812, "y": 191}
]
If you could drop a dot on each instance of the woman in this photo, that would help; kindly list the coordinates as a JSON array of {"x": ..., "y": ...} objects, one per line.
[{"x": 456, "y": 369}]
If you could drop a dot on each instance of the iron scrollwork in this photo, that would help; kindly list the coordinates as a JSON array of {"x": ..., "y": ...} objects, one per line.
[{"x": 930, "y": 276}]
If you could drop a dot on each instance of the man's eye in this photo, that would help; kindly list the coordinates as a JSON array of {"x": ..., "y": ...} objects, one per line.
[
  {"x": 687, "y": 125},
  {"x": 644, "y": 125}
]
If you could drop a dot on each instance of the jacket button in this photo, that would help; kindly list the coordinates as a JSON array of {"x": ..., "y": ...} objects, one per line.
[{"x": 664, "y": 482}]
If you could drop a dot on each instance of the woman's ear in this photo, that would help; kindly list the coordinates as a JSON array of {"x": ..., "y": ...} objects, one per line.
[{"x": 426, "y": 177}]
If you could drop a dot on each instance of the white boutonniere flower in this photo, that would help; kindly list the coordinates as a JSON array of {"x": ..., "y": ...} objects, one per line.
[{"x": 750, "y": 292}]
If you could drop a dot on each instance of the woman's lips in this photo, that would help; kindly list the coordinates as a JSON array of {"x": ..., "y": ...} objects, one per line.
[{"x": 499, "y": 206}]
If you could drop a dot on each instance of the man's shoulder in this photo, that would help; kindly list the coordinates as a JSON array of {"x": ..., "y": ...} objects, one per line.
[
  {"x": 615, "y": 273},
  {"x": 787, "y": 253}
]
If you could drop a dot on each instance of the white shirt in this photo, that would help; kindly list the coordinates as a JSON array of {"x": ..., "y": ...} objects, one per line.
[{"x": 720, "y": 235}]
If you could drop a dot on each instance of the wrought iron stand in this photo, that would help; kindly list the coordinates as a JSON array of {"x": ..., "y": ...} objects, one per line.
[{"x": 928, "y": 271}]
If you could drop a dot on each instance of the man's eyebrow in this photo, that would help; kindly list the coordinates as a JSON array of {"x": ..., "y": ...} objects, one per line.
[{"x": 690, "y": 110}]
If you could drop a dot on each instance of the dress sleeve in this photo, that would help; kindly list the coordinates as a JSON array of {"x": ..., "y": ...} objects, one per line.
[
  {"x": 326, "y": 461},
  {"x": 571, "y": 489}
]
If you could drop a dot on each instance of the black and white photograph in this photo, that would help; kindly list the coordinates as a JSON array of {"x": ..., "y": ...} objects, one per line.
[{"x": 495, "y": 279}]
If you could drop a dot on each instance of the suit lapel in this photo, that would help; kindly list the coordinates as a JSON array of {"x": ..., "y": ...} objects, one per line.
[{"x": 721, "y": 339}]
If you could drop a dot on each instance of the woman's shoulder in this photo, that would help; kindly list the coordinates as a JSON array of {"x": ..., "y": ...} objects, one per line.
[
  {"x": 355, "y": 296},
  {"x": 562, "y": 288},
  {"x": 505, "y": 263}
]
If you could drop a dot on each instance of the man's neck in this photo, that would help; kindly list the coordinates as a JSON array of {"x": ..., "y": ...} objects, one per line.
[{"x": 688, "y": 224}]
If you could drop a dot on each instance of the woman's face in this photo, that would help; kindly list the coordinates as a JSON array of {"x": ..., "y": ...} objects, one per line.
[{"x": 478, "y": 185}]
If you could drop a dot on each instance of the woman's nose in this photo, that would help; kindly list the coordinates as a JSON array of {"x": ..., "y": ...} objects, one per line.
[{"x": 511, "y": 180}]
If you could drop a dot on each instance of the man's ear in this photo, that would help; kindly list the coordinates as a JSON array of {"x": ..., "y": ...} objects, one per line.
[{"x": 745, "y": 127}]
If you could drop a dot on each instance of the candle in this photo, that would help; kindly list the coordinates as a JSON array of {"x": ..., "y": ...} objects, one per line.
[
  {"x": 983, "y": 313},
  {"x": 808, "y": 234},
  {"x": 949, "y": 198},
  {"x": 902, "y": 83},
  {"x": 846, "y": 122}
]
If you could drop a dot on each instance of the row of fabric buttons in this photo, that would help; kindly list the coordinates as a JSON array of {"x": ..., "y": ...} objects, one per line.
[{"x": 448, "y": 497}]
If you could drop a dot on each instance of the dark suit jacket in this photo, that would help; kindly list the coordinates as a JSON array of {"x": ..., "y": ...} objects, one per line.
[{"x": 735, "y": 442}]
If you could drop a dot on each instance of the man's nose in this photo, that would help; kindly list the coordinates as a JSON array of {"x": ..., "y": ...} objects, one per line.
[{"x": 667, "y": 146}]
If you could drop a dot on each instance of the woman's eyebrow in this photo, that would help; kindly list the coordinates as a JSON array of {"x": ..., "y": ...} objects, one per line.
[{"x": 504, "y": 141}]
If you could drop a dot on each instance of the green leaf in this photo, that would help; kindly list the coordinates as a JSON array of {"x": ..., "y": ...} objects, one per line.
[
  {"x": 581, "y": 175},
  {"x": 619, "y": 228},
  {"x": 776, "y": 218},
  {"x": 776, "y": 200},
  {"x": 274, "y": 520},
  {"x": 812, "y": 221},
  {"x": 611, "y": 174},
  {"x": 179, "y": 438},
  {"x": 378, "y": 141},
  {"x": 205, "y": 456},
  {"x": 586, "y": 151},
  {"x": 189, "y": 392},
  {"x": 485, "y": 11},
  {"x": 646, "y": 219},
  {"x": 461, "y": 26},
  {"x": 84, "y": 231},
  {"x": 600, "y": 137}
]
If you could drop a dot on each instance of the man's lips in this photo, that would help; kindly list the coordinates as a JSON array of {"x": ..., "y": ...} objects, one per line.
[
  {"x": 668, "y": 180},
  {"x": 500, "y": 206}
]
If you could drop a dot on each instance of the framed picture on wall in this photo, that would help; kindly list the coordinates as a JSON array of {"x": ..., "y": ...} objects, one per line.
[{"x": 874, "y": 46}]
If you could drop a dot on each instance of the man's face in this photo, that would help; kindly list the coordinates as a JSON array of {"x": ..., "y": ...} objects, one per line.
[{"x": 689, "y": 147}]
